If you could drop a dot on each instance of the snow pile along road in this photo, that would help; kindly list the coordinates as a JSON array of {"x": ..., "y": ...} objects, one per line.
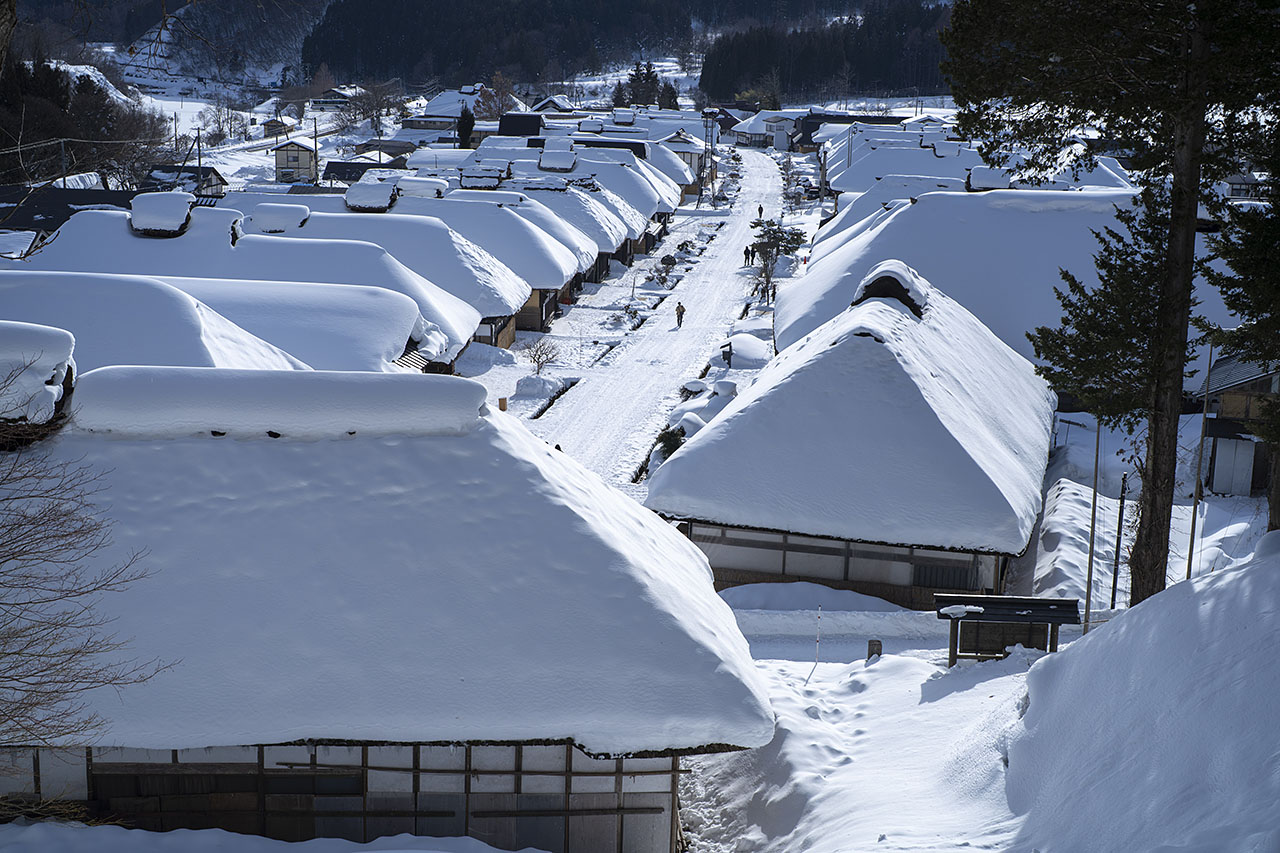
[{"x": 1123, "y": 745}]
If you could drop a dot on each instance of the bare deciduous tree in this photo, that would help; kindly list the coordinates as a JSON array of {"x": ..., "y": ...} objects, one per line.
[
  {"x": 540, "y": 353},
  {"x": 55, "y": 640}
]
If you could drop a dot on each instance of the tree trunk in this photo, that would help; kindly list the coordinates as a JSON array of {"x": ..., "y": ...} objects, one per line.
[
  {"x": 1273, "y": 488},
  {"x": 8, "y": 21},
  {"x": 1148, "y": 562}
]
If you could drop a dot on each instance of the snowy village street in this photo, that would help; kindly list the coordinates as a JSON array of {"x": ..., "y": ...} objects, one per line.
[
  {"x": 608, "y": 420},
  {"x": 409, "y": 451}
]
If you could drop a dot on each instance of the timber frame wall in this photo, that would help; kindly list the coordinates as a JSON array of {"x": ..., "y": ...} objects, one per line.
[
  {"x": 904, "y": 575},
  {"x": 548, "y": 795}
]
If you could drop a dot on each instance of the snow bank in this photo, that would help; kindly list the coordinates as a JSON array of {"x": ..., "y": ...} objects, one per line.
[
  {"x": 160, "y": 213},
  {"x": 75, "y": 838},
  {"x": 424, "y": 244},
  {"x": 176, "y": 401},
  {"x": 1176, "y": 750},
  {"x": 881, "y": 426},
  {"x": 478, "y": 586},
  {"x": 33, "y": 364},
  {"x": 120, "y": 319},
  {"x": 748, "y": 352},
  {"x": 329, "y": 326},
  {"x": 802, "y": 595}
]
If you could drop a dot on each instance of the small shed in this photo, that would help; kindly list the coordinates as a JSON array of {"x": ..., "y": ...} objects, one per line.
[
  {"x": 553, "y": 104},
  {"x": 279, "y": 126},
  {"x": 201, "y": 181}
]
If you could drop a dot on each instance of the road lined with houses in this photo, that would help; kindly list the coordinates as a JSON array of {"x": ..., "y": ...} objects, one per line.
[{"x": 608, "y": 421}]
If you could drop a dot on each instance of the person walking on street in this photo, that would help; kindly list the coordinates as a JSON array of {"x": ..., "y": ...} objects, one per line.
[
  {"x": 746, "y": 256},
  {"x": 679, "y": 314},
  {"x": 760, "y": 211}
]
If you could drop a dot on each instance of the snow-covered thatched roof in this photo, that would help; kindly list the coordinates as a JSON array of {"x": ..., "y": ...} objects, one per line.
[
  {"x": 903, "y": 421},
  {"x": 122, "y": 319},
  {"x": 404, "y": 564},
  {"x": 424, "y": 244},
  {"x": 568, "y": 235},
  {"x": 998, "y": 253},
  {"x": 101, "y": 240},
  {"x": 329, "y": 326}
]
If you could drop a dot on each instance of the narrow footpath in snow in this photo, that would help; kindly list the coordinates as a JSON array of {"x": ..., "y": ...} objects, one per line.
[{"x": 609, "y": 419}]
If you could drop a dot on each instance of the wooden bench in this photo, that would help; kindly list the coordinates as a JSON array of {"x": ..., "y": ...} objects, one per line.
[{"x": 983, "y": 626}]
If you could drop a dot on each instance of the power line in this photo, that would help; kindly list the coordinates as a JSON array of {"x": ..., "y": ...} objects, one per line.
[{"x": 17, "y": 149}]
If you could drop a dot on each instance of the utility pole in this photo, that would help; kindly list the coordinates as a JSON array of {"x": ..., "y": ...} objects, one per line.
[
  {"x": 315, "y": 139},
  {"x": 1093, "y": 521},
  {"x": 62, "y": 148},
  {"x": 1195, "y": 501},
  {"x": 1115, "y": 562},
  {"x": 175, "y": 135}
]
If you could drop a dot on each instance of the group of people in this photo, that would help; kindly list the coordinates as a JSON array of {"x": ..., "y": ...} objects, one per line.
[{"x": 749, "y": 255}]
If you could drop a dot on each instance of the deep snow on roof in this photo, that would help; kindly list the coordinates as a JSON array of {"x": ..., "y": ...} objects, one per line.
[
  {"x": 880, "y": 426},
  {"x": 101, "y": 240},
  {"x": 531, "y": 253},
  {"x": 998, "y": 253},
  {"x": 873, "y": 160},
  {"x": 33, "y": 362},
  {"x": 164, "y": 211},
  {"x": 756, "y": 123},
  {"x": 424, "y": 244},
  {"x": 329, "y": 326},
  {"x": 856, "y": 207},
  {"x": 580, "y": 209},
  {"x": 669, "y": 193},
  {"x": 569, "y": 235},
  {"x": 455, "y": 579},
  {"x": 626, "y": 182},
  {"x": 119, "y": 319}
]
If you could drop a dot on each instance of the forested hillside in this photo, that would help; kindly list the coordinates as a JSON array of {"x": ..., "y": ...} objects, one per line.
[
  {"x": 891, "y": 47},
  {"x": 526, "y": 39}
]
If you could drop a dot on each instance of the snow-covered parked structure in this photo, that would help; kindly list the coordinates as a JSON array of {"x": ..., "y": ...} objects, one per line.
[
  {"x": 424, "y": 244},
  {"x": 390, "y": 642},
  {"x": 107, "y": 241},
  {"x": 898, "y": 451}
]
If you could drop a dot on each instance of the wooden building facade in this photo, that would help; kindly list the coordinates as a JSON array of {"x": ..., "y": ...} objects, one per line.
[
  {"x": 547, "y": 795},
  {"x": 905, "y": 575}
]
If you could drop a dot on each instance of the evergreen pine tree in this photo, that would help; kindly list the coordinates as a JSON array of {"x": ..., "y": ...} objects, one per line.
[
  {"x": 620, "y": 95},
  {"x": 466, "y": 124},
  {"x": 1163, "y": 80},
  {"x": 668, "y": 97}
]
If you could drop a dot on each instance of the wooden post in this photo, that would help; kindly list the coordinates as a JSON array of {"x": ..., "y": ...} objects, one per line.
[
  {"x": 1093, "y": 520},
  {"x": 1195, "y": 500},
  {"x": 1053, "y": 637},
  {"x": 953, "y": 644}
]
